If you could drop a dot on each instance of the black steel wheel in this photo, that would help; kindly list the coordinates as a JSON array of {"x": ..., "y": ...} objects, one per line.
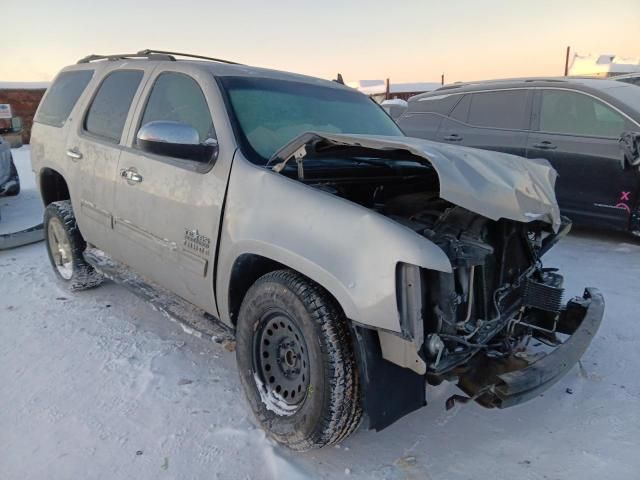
[
  {"x": 281, "y": 359},
  {"x": 296, "y": 362}
]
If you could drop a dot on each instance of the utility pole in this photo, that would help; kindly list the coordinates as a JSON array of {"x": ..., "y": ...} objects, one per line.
[
  {"x": 442, "y": 79},
  {"x": 566, "y": 63},
  {"x": 387, "y": 92}
]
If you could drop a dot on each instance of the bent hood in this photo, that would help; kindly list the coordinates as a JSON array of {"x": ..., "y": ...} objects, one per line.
[{"x": 493, "y": 184}]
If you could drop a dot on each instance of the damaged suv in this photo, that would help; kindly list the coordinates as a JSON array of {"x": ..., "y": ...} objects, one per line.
[{"x": 353, "y": 265}]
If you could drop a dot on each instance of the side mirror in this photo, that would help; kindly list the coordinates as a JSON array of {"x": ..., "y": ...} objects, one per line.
[{"x": 176, "y": 139}]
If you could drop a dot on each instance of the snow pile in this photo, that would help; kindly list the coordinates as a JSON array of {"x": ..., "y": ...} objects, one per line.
[{"x": 603, "y": 65}]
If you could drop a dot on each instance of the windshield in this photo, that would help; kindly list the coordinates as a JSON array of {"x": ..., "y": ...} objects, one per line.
[{"x": 270, "y": 113}]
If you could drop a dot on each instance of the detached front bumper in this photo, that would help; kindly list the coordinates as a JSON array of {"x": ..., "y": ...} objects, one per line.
[{"x": 503, "y": 383}]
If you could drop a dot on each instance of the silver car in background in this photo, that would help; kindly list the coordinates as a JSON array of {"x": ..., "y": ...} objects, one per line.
[{"x": 9, "y": 181}]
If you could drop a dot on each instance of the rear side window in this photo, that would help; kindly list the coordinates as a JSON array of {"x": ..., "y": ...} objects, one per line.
[
  {"x": 437, "y": 104},
  {"x": 461, "y": 110},
  {"x": 62, "y": 97},
  {"x": 504, "y": 109},
  {"x": 108, "y": 111},
  {"x": 177, "y": 97},
  {"x": 420, "y": 125}
]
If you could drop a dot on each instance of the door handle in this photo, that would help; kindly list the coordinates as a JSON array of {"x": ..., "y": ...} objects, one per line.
[
  {"x": 454, "y": 137},
  {"x": 544, "y": 145},
  {"x": 74, "y": 154},
  {"x": 131, "y": 175}
]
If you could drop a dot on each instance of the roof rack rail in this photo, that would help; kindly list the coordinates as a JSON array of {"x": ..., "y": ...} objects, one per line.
[
  {"x": 455, "y": 85},
  {"x": 151, "y": 55},
  {"x": 189, "y": 55},
  {"x": 451, "y": 86},
  {"x": 123, "y": 56}
]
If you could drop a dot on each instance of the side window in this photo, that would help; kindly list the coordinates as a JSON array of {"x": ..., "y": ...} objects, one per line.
[
  {"x": 421, "y": 125},
  {"x": 461, "y": 110},
  {"x": 437, "y": 104},
  {"x": 574, "y": 113},
  {"x": 108, "y": 111},
  {"x": 505, "y": 109},
  {"x": 178, "y": 97},
  {"x": 62, "y": 97}
]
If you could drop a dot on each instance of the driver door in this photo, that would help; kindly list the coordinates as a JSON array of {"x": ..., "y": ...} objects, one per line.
[{"x": 167, "y": 210}]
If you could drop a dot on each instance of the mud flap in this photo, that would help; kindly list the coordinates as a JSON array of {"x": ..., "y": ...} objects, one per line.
[
  {"x": 389, "y": 391},
  {"x": 503, "y": 383}
]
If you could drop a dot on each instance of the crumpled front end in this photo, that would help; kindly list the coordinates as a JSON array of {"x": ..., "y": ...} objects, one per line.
[
  {"x": 492, "y": 184},
  {"x": 497, "y": 325},
  {"x": 504, "y": 382},
  {"x": 495, "y": 321}
]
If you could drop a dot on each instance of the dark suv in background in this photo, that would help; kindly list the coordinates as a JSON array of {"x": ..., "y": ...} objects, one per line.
[
  {"x": 574, "y": 123},
  {"x": 632, "y": 78}
]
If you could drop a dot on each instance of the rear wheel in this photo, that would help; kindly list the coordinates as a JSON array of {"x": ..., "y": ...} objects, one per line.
[
  {"x": 65, "y": 247},
  {"x": 296, "y": 362}
]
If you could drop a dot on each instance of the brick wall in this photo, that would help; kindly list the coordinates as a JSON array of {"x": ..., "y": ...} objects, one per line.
[{"x": 24, "y": 103}]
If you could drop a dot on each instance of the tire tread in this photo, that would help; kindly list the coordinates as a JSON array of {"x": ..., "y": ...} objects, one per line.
[
  {"x": 343, "y": 410},
  {"x": 84, "y": 275}
]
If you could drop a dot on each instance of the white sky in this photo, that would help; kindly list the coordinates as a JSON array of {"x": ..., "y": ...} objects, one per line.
[{"x": 407, "y": 40}]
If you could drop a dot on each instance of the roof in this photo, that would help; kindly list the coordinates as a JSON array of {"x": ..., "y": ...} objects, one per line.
[
  {"x": 461, "y": 87},
  {"x": 217, "y": 67},
  {"x": 23, "y": 85}
]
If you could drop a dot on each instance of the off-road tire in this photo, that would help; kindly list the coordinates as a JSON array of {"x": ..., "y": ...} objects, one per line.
[
  {"x": 331, "y": 409},
  {"x": 15, "y": 188},
  {"x": 82, "y": 276}
]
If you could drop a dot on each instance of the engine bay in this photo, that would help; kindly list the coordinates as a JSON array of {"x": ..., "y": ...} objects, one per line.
[{"x": 499, "y": 297}]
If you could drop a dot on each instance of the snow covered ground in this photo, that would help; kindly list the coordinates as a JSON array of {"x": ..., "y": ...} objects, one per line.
[{"x": 98, "y": 385}]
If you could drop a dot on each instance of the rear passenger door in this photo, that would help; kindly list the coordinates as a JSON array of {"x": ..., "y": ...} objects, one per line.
[
  {"x": 94, "y": 148},
  {"x": 494, "y": 120},
  {"x": 167, "y": 220},
  {"x": 55, "y": 121},
  {"x": 579, "y": 134}
]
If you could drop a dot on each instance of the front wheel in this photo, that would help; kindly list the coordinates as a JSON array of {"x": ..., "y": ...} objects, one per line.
[
  {"x": 296, "y": 362},
  {"x": 65, "y": 247}
]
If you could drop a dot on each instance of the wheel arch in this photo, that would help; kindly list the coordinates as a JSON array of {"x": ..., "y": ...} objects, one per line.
[
  {"x": 246, "y": 269},
  {"x": 249, "y": 267},
  {"x": 53, "y": 186},
  {"x": 388, "y": 391}
]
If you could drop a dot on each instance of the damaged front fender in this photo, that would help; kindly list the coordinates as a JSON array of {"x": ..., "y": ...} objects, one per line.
[{"x": 350, "y": 250}]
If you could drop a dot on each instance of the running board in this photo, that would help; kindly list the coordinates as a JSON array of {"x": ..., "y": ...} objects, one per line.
[{"x": 192, "y": 319}]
